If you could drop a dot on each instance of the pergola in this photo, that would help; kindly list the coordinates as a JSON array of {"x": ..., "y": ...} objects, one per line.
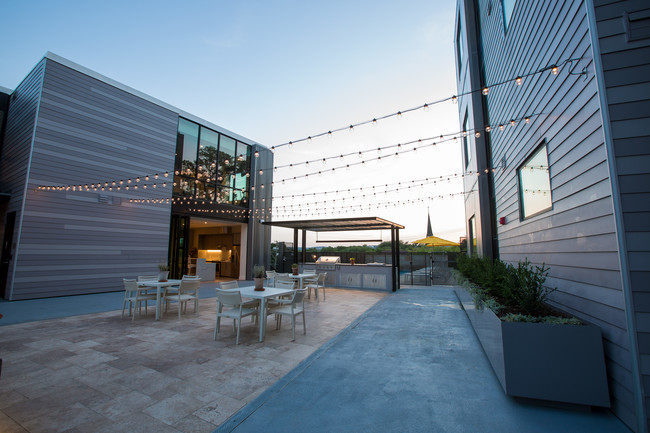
[{"x": 340, "y": 225}]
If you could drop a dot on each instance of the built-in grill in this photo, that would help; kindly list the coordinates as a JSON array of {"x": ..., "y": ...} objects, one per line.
[
  {"x": 327, "y": 263},
  {"x": 328, "y": 259}
]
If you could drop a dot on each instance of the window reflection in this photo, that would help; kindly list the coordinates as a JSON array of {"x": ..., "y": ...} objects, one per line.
[
  {"x": 535, "y": 184},
  {"x": 210, "y": 165}
]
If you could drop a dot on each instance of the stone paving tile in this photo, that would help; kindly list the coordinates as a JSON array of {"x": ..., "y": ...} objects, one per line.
[
  {"x": 7, "y": 425},
  {"x": 99, "y": 373}
]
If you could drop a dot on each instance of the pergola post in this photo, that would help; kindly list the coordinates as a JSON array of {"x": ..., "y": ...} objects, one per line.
[
  {"x": 304, "y": 246},
  {"x": 295, "y": 246},
  {"x": 393, "y": 261},
  {"x": 397, "y": 269}
]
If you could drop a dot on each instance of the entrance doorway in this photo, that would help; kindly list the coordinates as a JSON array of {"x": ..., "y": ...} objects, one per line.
[
  {"x": 215, "y": 249},
  {"x": 6, "y": 255}
]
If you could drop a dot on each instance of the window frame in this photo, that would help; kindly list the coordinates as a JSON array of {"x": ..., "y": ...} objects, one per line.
[
  {"x": 520, "y": 184},
  {"x": 467, "y": 151}
]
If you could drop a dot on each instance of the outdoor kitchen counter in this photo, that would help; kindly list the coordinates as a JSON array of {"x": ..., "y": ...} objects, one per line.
[{"x": 366, "y": 276}]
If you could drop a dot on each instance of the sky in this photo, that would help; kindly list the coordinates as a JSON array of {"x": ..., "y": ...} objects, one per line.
[{"x": 280, "y": 71}]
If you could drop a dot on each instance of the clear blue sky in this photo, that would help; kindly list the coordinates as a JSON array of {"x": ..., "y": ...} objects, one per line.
[{"x": 275, "y": 71}]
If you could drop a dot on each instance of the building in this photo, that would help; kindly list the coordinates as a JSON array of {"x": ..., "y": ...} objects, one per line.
[
  {"x": 555, "y": 100},
  {"x": 99, "y": 182}
]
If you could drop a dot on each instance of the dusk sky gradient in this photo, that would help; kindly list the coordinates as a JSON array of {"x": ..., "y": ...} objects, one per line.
[{"x": 275, "y": 71}]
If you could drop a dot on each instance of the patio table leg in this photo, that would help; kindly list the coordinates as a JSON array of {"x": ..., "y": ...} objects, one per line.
[
  {"x": 262, "y": 319},
  {"x": 158, "y": 288}
]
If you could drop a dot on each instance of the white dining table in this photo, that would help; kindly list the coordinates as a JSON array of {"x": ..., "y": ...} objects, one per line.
[
  {"x": 159, "y": 285},
  {"x": 263, "y": 296},
  {"x": 301, "y": 277}
]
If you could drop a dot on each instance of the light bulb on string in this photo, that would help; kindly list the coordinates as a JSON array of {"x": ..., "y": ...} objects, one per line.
[
  {"x": 485, "y": 91},
  {"x": 518, "y": 81},
  {"x": 554, "y": 70}
]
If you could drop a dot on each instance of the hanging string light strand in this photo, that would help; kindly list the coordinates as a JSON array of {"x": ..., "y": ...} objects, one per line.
[{"x": 554, "y": 68}]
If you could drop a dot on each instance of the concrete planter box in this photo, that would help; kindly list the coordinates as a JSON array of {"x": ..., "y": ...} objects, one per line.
[{"x": 562, "y": 363}]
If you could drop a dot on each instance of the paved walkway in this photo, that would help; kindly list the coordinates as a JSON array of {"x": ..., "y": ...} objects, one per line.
[
  {"x": 99, "y": 373},
  {"x": 412, "y": 363}
]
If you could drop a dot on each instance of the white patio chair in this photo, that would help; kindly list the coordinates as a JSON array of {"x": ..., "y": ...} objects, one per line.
[
  {"x": 318, "y": 284},
  {"x": 231, "y": 299},
  {"x": 187, "y": 291},
  {"x": 284, "y": 278},
  {"x": 309, "y": 271},
  {"x": 270, "y": 278},
  {"x": 290, "y": 307},
  {"x": 135, "y": 295},
  {"x": 149, "y": 290},
  {"x": 234, "y": 285}
]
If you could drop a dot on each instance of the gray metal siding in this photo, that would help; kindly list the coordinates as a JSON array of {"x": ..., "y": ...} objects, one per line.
[
  {"x": 626, "y": 70},
  {"x": 16, "y": 152},
  {"x": 577, "y": 237},
  {"x": 85, "y": 242}
]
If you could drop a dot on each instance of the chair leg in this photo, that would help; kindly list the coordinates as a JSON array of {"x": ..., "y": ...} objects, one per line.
[
  {"x": 304, "y": 325},
  {"x": 216, "y": 327},
  {"x": 293, "y": 326},
  {"x": 323, "y": 289},
  {"x": 123, "y": 308},
  {"x": 238, "y": 328}
]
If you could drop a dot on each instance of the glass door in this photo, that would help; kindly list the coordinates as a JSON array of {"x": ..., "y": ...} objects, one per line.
[{"x": 178, "y": 244}]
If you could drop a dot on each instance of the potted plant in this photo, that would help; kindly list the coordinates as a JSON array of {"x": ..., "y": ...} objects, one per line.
[
  {"x": 259, "y": 275},
  {"x": 535, "y": 351},
  {"x": 163, "y": 272},
  {"x": 294, "y": 268},
  {"x": 352, "y": 260}
]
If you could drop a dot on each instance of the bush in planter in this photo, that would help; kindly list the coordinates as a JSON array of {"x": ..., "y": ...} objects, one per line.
[
  {"x": 531, "y": 356},
  {"x": 520, "y": 288}
]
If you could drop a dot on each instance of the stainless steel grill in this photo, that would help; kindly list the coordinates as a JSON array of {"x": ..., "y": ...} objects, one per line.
[{"x": 328, "y": 260}]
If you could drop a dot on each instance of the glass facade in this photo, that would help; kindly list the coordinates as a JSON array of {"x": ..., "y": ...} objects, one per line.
[{"x": 210, "y": 165}]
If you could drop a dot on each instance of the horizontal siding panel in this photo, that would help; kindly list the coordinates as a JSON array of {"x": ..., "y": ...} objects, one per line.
[
  {"x": 84, "y": 136},
  {"x": 630, "y": 128}
]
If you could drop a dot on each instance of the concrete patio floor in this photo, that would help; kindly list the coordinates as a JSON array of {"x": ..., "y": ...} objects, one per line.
[
  {"x": 371, "y": 362},
  {"x": 412, "y": 363},
  {"x": 100, "y": 373}
]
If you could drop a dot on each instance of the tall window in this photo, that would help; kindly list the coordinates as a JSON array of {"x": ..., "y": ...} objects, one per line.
[
  {"x": 507, "y": 6},
  {"x": 210, "y": 165},
  {"x": 459, "y": 44},
  {"x": 467, "y": 151},
  {"x": 471, "y": 244},
  {"x": 535, "y": 184}
]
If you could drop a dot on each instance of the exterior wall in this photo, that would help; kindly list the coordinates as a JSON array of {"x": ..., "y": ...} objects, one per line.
[
  {"x": 17, "y": 151},
  {"x": 577, "y": 238},
  {"x": 621, "y": 36},
  {"x": 259, "y": 245},
  {"x": 477, "y": 158},
  {"x": 75, "y": 242}
]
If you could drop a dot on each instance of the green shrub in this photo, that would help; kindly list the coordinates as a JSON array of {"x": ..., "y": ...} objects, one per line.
[
  {"x": 552, "y": 320},
  {"x": 528, "y": 290},
  {"x": 518, "y": 287}
]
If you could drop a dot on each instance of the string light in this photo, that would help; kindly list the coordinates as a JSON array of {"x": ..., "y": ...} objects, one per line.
[
  {"x": 554, "y": 68},
  {"x": 399, "y": 146}
]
